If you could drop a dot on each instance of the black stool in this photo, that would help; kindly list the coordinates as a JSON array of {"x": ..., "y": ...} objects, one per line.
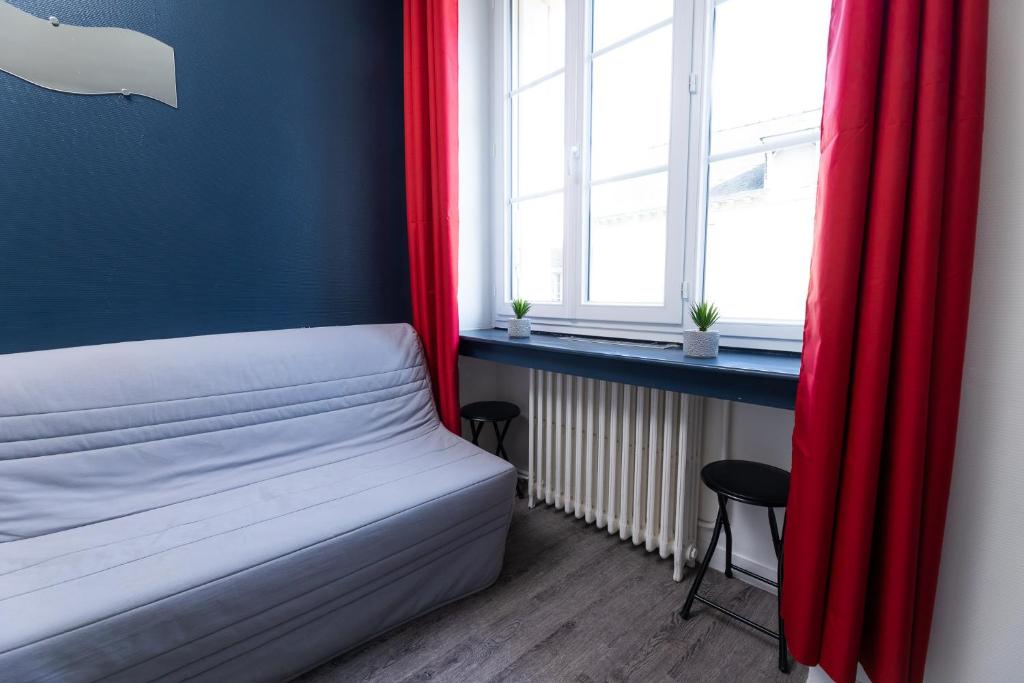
[
  {"x": 494, "y": 412},
  {"x": 751, "y": 483}
]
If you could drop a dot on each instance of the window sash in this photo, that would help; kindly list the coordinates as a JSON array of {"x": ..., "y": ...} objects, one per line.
[
  {"x": 576, "y": 234},
  {"x": 689, "y": 162}
]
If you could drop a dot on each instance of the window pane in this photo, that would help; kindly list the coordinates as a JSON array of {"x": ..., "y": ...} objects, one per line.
[
  {"x": 615, "y": 20},
  {"x": 759, "y": 233},
  {"x": 631, "y": 103},
  {"x": 627, "y": 241},
  {"x": 768, "y": 73},
  {"x": 539, "y": 39},
  {"x": 538, "y": 134},
  {"x": 537, "y": 249}
]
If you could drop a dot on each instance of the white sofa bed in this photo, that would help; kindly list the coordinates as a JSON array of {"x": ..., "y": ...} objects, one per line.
[{"x": 235, "y": 507}]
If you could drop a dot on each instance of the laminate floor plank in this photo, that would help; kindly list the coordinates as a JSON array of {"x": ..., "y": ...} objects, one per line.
[{"x": 539, "y": 618}]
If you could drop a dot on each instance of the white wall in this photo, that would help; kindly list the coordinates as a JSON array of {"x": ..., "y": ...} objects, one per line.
[
  {"x": 477, "y": 380},
  {"x": 475, "y": 57},
  {"x": 978, "y": 629}
]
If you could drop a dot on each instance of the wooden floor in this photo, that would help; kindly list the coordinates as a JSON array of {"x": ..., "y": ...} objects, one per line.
[{"x": 575, "y": 604}]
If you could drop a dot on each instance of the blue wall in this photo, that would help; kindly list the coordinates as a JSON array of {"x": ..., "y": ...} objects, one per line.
[{"x": 274, "y": 197}]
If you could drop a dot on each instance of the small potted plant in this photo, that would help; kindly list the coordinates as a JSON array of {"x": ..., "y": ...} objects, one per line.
[
  {"x": 519, "y": 327},
  {"x": 703, "y": 341}
]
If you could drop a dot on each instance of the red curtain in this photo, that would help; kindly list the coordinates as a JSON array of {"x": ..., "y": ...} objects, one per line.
[
  {"x": 876, "y": 409},
  {"x": 432, "y": 189}
]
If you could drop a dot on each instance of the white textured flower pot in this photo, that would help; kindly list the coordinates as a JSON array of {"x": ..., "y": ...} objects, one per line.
[
  {"x": 519, "y": 328},
  {"x": 697, "y": 344}
]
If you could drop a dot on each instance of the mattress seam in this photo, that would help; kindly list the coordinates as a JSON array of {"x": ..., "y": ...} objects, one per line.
[
  {"x": 435, "y": 426},
  {"x": 251, "y": 567},
  {"x": 212, "y": 431},
  {"x": 228, "y": 531},
  {"x": 375, "y": 590},
  {"x": 196, "y": 419},
  {"x": 205, "y": 396},
  {"x": 457, "y": 543},
  {"x": 229, "y": 511}
]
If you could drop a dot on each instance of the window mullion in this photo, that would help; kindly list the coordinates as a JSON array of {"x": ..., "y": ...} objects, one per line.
[
  {"x": 699, "y": 147},
  {"x": 679, "y": 149},
  {"x": 575, "y": 100},
  {"x": 501, "y": 185}
]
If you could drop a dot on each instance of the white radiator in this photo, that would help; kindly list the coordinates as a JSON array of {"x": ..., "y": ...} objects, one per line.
[{"x": 621, "y": 457}]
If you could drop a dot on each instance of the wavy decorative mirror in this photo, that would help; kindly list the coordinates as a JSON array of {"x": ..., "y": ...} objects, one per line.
[{"x": 85, "y": 60}]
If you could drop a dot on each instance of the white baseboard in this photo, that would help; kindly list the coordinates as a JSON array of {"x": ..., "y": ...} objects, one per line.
[
  {"x": 739, "y": 560},
  {"x": 817, "y": 675},
  {"x": 769, "y": 571}
]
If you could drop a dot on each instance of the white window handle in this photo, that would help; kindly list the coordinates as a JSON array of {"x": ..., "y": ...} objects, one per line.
[{"x": 573, "y": 162}]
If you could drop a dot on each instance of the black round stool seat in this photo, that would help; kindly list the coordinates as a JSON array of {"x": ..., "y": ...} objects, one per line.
[
  {"x": 752, "y": 483},
  {"x": 493, "y": 412},
  {"x": 490, "y": 411}
]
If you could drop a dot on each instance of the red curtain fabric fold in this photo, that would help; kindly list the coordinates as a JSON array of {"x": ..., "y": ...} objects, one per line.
[
  {"x": 431, "y": 47},
  {"x": 879, "y": 392}
]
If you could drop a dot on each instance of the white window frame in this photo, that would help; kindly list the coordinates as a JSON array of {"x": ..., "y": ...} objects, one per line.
[{"x": 689, "y": 157}]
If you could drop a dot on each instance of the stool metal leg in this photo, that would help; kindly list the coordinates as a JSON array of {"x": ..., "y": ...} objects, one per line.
[
  {"x": 501, "y": 452},
  {"x": 722, "y": 505},
  {"x": 719, "y": 521},
  {"x": 777, "y": 542},
  {"x": 773, "y": 523},
  {"x": 500, "y": 436},
  {"x": 474, "y": 429}
]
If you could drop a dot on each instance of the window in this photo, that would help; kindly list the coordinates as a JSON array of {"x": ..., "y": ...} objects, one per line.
[
  {"x": 767, "y": 80},
  {"x": 657, "y": 153},
  {"x": 537, "y": 100},
  {"x": 630, "y": 104}
]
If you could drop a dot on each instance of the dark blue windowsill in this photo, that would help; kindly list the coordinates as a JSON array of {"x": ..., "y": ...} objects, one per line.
[{"x": 760, "y": 377}]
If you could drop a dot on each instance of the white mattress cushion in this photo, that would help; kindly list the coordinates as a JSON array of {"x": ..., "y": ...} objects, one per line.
[
  {"x": 178, "y": 508},
  {"x": 109, "y": 598}
]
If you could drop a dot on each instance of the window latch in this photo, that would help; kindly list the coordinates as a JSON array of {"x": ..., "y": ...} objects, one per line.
[{"x": 573, "y": 162}]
